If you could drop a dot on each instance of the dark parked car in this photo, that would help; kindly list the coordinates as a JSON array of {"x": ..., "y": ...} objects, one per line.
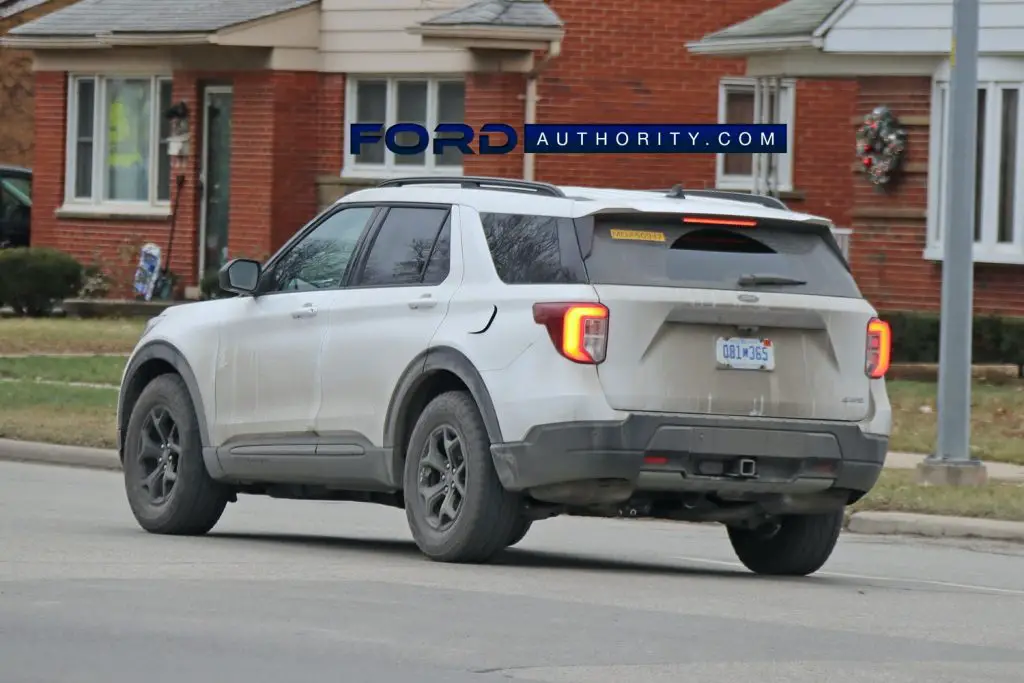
[{"x": 15, "y": 206}]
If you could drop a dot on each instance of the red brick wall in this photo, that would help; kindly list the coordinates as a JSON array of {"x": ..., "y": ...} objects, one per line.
[
  {"x": 274, "y": 162},
  {"x": 496, "y": 98},
  {"x": 296, "y": 153},
  {"x": 890, "y": 229},
  {"x": 330, "y": 128},
  {"x": 617, "y": 65}
]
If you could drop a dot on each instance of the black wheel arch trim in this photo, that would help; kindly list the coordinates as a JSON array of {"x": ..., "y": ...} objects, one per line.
[
  {"x": 164, "y": 351},
  {"x": 419, "y": 371}
]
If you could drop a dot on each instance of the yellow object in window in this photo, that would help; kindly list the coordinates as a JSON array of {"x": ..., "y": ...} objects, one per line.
[{"x": 122, "y": 144}]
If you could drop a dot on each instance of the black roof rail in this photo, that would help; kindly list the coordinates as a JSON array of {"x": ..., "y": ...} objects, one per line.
[
  {"x": 678, "y": 192},
  {"x": 478, "y": 183}
]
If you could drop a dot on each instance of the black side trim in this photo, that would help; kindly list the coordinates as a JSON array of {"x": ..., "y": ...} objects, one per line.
[
  {"x": 161, "y": 351},
  {"x": 416, "y": 374}
]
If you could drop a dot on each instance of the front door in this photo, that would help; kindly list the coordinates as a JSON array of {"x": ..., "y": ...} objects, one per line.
[
  {"x": 215, "y": 179},
  {"x": 269, "y": 365}
]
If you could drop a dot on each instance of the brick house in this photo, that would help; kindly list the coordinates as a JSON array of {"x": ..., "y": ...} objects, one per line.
[
  {"x": 16, "y": 83},
  {"x": 896, "y": 53},
  {"x": 270, "y": 85}
]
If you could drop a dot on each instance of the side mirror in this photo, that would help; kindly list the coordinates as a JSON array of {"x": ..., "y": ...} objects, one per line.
[{"x": 240, "y": 275}]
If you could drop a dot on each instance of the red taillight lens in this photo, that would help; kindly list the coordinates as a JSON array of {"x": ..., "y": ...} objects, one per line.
[
  {"x": 578, "y": 331},
  {"x": 879, "y": 353}
]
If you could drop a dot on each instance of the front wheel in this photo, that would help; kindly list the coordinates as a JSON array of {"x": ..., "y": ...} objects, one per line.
[
  {"x": 169, "y": 490},
  {"x": 797, "y": 545},
  {"x": 457, "y": 509}
]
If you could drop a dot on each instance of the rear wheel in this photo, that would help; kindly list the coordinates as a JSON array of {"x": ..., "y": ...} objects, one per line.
[
  {"x": 169, "y": 490},
  {"x": 458, "y": 511},
  {"x": 797, "y": 545}
]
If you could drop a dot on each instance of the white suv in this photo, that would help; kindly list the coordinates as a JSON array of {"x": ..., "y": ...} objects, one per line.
[{"x": 486, "y": 353}]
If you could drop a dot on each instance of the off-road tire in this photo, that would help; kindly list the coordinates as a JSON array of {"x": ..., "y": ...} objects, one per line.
[
  {"x": 522, "y": 526},
  {"x": 196, "y": 502},
  {"x": 489, "y": 512},
  {"x": 801, "y": 545}
]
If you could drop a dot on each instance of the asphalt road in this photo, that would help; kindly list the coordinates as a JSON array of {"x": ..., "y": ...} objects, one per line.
[{"x": 288, "y": 592}]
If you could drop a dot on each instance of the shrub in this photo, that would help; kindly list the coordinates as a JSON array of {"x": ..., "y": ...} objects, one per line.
[
  {"x": 997, "y": 340},
  {"x": 35, "y": 279}
]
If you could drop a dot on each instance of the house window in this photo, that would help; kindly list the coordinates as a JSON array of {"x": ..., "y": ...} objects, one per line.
[
  {"x": 426, "y": 101},
  {"x": 737, "y": 103},
  {"x": 998, "y": 177},
  {"x": 118, "y": 141}
]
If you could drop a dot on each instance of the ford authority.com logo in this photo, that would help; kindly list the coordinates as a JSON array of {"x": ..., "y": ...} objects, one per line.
[{"x": 502, "y": 138}]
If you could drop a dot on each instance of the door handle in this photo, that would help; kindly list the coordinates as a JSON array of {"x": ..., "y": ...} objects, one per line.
[
  {"x": 425, "y": 301},
  {"x": 307, "y": 311}
]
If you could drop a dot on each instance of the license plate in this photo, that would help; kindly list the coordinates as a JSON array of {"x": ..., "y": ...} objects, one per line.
[{"x": 745, "y": 354}]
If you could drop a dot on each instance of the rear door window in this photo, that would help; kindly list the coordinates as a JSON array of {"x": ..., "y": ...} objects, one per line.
[
  {"x": 665, "y": 252},
  {"x": 405, "y": 247}
]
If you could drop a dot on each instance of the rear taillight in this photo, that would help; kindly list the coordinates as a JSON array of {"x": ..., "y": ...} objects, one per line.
[
  {"x": 879, "y": 353},
  {"x": 578, "y": 331}
]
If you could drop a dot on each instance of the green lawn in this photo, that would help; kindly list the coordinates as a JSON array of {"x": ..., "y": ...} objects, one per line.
[
  {"x": 997, "y": 419},
  {"x": 78, "y": 416},
  {"x": 87, "y": 369},
  {"x": 69, "y": 335},
  {"x": 897, "y": 492}
]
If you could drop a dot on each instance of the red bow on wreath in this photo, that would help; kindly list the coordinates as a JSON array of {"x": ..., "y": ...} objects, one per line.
[{"x": 881, "y": 145}]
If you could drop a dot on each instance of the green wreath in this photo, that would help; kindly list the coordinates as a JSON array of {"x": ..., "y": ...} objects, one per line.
[{"x": 881, "y": 145}]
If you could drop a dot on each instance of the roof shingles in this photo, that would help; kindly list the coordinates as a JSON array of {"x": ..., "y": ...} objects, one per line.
[
  {"x": 793, "y": 18},
  {"x": 92, "y": 17},
  {"x": 529, "y": 13}
]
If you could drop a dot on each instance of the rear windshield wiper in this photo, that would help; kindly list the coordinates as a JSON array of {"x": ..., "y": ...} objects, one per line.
[{"x": 752, "y": 280}]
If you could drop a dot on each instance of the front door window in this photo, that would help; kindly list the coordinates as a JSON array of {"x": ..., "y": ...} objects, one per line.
[{"x": 216, "y": 179}]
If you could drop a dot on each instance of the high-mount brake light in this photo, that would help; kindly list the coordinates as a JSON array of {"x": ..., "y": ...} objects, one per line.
[
  {"x": 879, "y": 349},
  {"x": 733, "y": 222},
  {"x": 579, "y": 331}
]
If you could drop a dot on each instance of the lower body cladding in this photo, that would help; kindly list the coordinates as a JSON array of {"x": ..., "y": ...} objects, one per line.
[{"x": 694, "y": 467}]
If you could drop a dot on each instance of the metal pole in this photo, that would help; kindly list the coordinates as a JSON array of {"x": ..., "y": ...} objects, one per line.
[{"x": 954, "y": 400}]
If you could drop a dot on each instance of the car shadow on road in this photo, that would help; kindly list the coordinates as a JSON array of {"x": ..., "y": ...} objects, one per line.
[{"x": 512, "y": 558}]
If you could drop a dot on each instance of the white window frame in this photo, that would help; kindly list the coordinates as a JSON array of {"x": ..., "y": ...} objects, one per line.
[
  {"x": 351, "y": 168},
  {"x": 787, "y": 90},
  {"x": 994, "y": 75},
  {"x": 97, "y": 202}
]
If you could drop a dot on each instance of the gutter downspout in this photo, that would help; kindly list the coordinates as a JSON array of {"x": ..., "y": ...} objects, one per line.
[{"x": 555, "y": 49}]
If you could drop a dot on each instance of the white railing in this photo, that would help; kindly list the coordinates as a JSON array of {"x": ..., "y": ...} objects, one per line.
[{"x": 842, "y": 236}]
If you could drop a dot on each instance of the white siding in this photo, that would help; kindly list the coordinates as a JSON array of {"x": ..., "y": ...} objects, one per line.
[
  {"x": 923, "y": 27},
  {"x": 369, "y": 36}
]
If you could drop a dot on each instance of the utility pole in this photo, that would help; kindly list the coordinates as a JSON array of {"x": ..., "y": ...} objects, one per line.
[{"x": 952, "y": 462}]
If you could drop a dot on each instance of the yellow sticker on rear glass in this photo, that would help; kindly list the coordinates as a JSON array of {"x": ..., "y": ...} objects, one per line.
[{"x": 640, "y": 235}]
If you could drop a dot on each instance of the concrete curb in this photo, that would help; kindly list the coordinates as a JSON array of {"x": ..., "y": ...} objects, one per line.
[
  {"x": 935, "y": 526},
  {"x": 52, "y": 454},
  {"x": 868, "y": 523}
]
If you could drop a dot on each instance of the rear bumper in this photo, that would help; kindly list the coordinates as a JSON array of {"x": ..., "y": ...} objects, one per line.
[{"x": 696, "y": 453}]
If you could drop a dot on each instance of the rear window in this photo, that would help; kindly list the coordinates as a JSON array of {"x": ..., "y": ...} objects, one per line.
[
  {"x": 533, "y": 250},
  {"x": 664, "y": 252}
]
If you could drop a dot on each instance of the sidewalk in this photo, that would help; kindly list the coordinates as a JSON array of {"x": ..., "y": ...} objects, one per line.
[
  {"x": 883, "y": 523},
  {"x": 998, "y": 471}
]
